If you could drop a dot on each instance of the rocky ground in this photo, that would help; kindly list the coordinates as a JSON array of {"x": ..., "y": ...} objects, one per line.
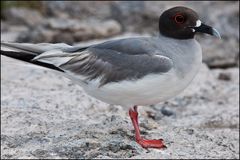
[{"x": 44, "y": 115}]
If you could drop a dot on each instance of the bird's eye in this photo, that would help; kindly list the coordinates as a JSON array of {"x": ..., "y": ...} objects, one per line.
[{"x": 179, "y": 19}]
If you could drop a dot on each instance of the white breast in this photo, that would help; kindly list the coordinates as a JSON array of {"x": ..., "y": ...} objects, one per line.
[{"x": 150, "y": 89}]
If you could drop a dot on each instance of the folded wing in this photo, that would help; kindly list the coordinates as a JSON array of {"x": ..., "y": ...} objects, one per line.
[{"x": 107, "y": 65}]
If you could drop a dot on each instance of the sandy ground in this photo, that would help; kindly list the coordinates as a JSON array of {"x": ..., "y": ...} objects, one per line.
[{"x": 44, "y": 115}]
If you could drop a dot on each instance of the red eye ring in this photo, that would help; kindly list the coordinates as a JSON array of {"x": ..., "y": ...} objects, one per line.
[{"x": 179, "y": 19}]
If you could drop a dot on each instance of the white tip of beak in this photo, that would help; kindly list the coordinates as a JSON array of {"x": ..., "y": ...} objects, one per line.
[{"x": 216, "y": 33}]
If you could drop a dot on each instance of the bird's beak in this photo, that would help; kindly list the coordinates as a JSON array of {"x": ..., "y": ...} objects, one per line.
[{"x": 207, "y": 29}]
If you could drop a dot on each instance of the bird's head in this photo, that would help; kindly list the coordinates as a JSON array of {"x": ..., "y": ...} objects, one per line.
[{"x": 183, "y": 23}]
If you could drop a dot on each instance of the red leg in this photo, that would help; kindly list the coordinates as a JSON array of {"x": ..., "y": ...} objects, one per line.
[{"x": 143, "y": 142}]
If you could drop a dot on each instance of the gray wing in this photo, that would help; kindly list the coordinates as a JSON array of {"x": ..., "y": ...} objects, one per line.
[
  {"x": 112, "y": 61},
  {"x": 35, "y": 49},
  {"x": 113, "y": 66},
  {"x": 137, "y": 45}
]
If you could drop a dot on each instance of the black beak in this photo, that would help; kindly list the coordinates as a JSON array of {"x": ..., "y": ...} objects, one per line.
[{"x": 207, "y": 29}]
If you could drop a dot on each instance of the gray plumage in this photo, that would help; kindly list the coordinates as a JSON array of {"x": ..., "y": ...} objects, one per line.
[
  {"x": 114, "y": 66},
  {"x": 112, "y": 61}
]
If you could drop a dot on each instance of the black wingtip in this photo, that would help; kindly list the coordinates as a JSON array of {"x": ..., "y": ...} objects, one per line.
[{"x": 28, "y": 58}]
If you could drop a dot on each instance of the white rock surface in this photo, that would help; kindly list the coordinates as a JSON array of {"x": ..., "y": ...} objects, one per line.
[
  {"x": 43, "y": 115},
  {"x": 23, "y": 16}
]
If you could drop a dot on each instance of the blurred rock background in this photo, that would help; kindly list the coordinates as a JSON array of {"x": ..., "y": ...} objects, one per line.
[
  {"x": 203, "y": 122},
  {"x": 69, "y": 22}
]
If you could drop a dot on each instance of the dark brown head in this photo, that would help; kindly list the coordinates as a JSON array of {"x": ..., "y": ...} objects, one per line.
[{"x": 183, "y": 23}]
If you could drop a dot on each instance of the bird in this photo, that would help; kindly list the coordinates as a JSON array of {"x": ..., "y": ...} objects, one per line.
[{"x": 130, "y": 72}]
